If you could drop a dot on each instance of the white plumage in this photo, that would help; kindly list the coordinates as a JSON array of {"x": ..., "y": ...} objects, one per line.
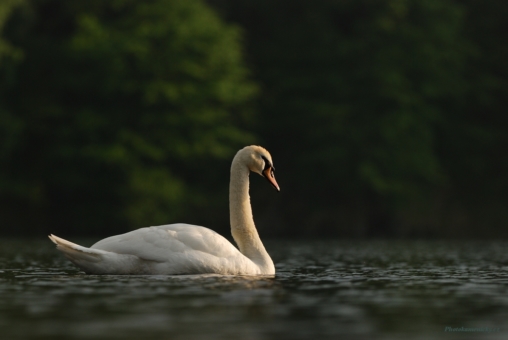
[{"x": 183, "y": 248}]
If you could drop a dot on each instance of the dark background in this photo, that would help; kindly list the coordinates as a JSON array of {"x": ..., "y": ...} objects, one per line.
[{"x": 384, "y": 118}]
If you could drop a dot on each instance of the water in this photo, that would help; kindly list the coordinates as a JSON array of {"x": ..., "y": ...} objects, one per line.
[{"x": 322, "y": 290}]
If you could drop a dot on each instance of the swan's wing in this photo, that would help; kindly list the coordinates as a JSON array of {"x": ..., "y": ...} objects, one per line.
[{"x": 179, "y": 247}]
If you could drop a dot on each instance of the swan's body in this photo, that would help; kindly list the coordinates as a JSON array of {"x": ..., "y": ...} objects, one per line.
[
  {"x": 167, "y": 249},
  {"x": 183, "y": 248}
]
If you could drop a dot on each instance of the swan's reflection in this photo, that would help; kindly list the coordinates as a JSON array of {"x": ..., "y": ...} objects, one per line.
[{"x": 203, "y": 281}]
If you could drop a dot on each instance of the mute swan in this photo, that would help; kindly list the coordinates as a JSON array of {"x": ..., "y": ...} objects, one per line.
[{"x": 188, "y": 249}]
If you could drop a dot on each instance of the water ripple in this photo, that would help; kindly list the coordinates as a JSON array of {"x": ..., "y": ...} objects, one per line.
[{"x": 330, "y": 290}]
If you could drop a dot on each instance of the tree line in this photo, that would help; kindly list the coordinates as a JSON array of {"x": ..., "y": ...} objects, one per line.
[{"x": 384, "y": 119}]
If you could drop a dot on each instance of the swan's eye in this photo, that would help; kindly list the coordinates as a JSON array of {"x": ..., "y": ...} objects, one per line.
[
  {"x": 267, "y": 163},
  {"x": 268, "y": 173}
]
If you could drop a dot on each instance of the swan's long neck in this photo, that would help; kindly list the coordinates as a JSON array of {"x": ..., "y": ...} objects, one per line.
[{"x": 242, "y": 223}]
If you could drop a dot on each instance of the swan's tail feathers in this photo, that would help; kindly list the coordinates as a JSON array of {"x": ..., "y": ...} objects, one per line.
[{"x": 76, "y": 253}]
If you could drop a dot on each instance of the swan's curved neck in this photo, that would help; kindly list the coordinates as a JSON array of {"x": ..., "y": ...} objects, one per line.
[{"x": 242, "y": 223}]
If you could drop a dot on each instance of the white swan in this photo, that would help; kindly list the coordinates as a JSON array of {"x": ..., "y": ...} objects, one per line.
[{"x": 188, "y": 249}]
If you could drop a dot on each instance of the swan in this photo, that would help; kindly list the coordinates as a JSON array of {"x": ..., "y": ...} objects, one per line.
[{"x": 188, "y": 249}]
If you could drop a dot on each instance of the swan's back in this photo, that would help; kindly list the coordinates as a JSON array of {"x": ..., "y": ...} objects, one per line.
[
  {"x": 179, "y": 248},
  {"x": 153, "y": 243}
]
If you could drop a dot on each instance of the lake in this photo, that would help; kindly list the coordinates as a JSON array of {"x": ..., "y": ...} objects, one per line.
[{"x": 322, "y": 290}]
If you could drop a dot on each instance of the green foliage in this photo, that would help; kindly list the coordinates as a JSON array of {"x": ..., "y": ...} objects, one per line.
[
  {"x": 384, "y": 118},
  {"x": 6, "y": 49},
  {"x": 125, "y": 98}
]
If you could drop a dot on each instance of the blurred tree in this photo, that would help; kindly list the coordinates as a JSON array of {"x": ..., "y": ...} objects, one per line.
[
  {"x": 123, "y": 105},
  {"x": 363, "y": 103},
  {"x": 11, "y": 126},
  {"x": 6, "y": 49},
  {"x": 473, "y": 134},
  {"x": 384, "y": 118}
]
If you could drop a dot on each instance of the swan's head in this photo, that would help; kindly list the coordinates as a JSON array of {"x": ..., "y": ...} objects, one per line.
[{"x": 259, "y": 160}]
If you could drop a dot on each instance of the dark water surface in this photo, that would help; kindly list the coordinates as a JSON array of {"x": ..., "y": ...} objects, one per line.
[{"x": 322, "y": 290}]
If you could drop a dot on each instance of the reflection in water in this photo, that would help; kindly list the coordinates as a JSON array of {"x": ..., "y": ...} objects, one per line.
[{"x": 330, "y": 290}]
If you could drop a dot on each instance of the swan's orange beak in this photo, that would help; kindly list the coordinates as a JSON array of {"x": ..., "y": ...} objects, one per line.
[{"x": 268, "y": 174}]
